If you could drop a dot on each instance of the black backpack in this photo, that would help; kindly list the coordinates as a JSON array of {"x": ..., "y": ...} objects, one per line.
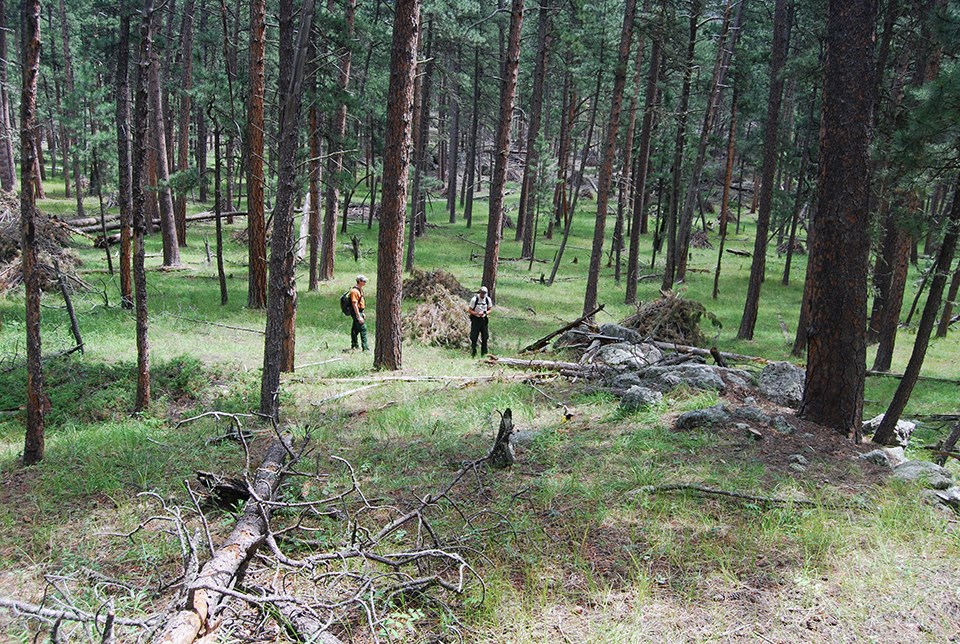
[{"x": 346, "y": 306}]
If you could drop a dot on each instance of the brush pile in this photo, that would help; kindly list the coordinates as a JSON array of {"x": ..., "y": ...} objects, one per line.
[
  {"x": 422, "y": 283},
  {"x": 798, "y": 248},
  {"x": 52, "y": 237},
  {"x": 671, "y": 319},
  {"x": 440, "y": 319},
  {"x": 700, "y": 239}
]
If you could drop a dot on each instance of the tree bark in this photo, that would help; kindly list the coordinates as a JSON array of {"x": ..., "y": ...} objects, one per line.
[
  {"x": 141, "y": 139},
  {"x": 837, "y": 267},
  {"x": 387, "y": 350},
  {"x": 30, "y": 65},
  {"x": 727, "y": 178},
  {"x": 71, "y": 98},
  {"x": 896, "y": 251},
  {"x": 256, "y": 225},
  {"x": 778, "y": 57},
  {"x": 315, "y": 166},
  {"x": 609, "y": 151},
  {"x": 948, "y": 305},
  {"x": 125, "y": 178},
  {"x": 183, "y": 145},
  {"x": 7, "y": 170},
  {"x": 281, "y": 311},
  {"x": 454, "y": 142},
  {"x": 508, "y": 86},
  {"x": 471, "y": 168},
  {"x": 884, "y": 433},
  {"x": 530, "y": 179}
]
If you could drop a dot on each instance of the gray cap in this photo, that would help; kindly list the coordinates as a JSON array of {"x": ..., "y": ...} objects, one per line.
[
  {"x": 483, "y": 289},
  {"x": 361, "y": 278}
]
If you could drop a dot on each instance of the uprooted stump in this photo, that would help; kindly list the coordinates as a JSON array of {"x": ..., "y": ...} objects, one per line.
[
  {"x": 671, "y": 319},
  {"x": 502, "y": 455},
  {"x": 440, "y": 320}
]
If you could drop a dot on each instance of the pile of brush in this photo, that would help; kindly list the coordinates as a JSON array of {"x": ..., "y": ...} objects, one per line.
[
  {"x": 440, "y": 319},
  {"x": 671, "y": 319},
  {"x": 52, "y": 237}
]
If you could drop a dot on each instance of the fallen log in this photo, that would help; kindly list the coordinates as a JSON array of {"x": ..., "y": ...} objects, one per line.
[
  {"x": 224, "y": 567},
  {"x": 708, "y": 353},
  {"x": 91, "y": 225},
  {"x": 542, "y": 342},
  {"x": 573, "y": 369},
  {"x": 892, "y": 374}
]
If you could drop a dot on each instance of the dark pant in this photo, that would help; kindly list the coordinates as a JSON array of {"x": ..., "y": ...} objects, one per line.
[
  {"x": 358, "y": 328},
  {"x": 479, "y": 327}
]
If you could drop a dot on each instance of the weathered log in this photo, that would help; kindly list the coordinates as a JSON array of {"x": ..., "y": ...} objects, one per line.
[
  {"x": 708, "y": 353},
  {"x": 567, "y": 368},
  {"x": 224, "y": 566},
  {"x": 542, "y": 342}
]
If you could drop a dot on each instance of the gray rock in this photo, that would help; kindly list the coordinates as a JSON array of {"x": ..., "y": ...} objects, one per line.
[
  {"x": 523, "y": 438},
  {"x": 949, "y": 497},
  {"x": 621, "y": 332},
  {"x": 626, "y": 380},
  {"x": 735, "y": 379},
  {"x": 797, "y": 467},
  {"x": 782, "y": 382},
  {"x": 885, "y": 456},
  {"x": 752, "y": 413},
  {"x": 782, "y": 426},
  {"x": 798, "y": 459},
  {"x": 901, "y": 433},
  {"x": 639, "y": 397},
  {"x": 625, "y": 356},
  {"x": 930, "y": 474},
  {"x": 750, "y": 400},
  {"x": 715, "y": 416},
  {"x": 695, "y": 376}
]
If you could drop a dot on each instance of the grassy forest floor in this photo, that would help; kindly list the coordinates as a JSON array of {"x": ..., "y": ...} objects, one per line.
[{"x": 568, "y": 545}]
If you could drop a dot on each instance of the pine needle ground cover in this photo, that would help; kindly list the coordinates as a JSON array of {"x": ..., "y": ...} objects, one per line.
[{"x": 568, "y": 543}]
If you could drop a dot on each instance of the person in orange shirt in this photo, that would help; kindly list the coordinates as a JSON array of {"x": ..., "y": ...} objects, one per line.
[{"x": 357, "y": 303}]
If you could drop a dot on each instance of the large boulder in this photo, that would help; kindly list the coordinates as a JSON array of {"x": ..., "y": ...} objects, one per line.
[
  {"x": 716, "y": 416},
  {"x": 925, "y": 472},
  {"x": 695, "y": 376},
  {"x": 628, "y": 357},
  {"x": 751, "y": 413},
  {"x": 782, "y": 382},
  {"x": 885, "y": 456},
  {"x": 901, "y": 433},
  {"x": 638, "y": 397},
  {"x": 621, "y": 332}
]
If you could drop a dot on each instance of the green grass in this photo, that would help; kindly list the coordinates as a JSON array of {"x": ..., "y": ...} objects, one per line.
[{"x": 563, "y": 539}]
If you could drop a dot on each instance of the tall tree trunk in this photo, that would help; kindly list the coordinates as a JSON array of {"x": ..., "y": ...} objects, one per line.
[
  {"x": 727, "y": 178},
  {"x": 183, "y": 145},
  {"x": 471, "y": 169},
  {"x": 896, "y": 250},
  {"x": 256, "y": 224},
  {"x": 168, "y": 224},
  {"x": 947, "y": 316},
  {"x": 30, "y": 64},
  {"x": 387, "y": 350},
  {"x": 200, "y": 153},
  {"x": 640, "y": 180},
  {"x": 336, "y": 134},
  {"x": 778, "y": 57},
  {"x": 530, "y": 179},
  {"x": 508, "y": 87},
  {"x": 717, "y": 83},
  {"x": 421, "y": 137},
  {"x": 670, "y": 270},
  {"x": 71, "y": 98},
  {"x": 218, "y": 210},
  {"x": 884, "y": 433},
  {"x": 454, "y": 154},
  {"x": 609, "y": 150},
  {"x": 282, "y": 246},
  {"x": 141, "y": 139},
  {"x": 7, "y": 171},
  {"x": 837, "y": 267},
  {"x": 314, "y": 182},
  {"x": 125, "y": 178},
  {"x": 567, "y": 116}
]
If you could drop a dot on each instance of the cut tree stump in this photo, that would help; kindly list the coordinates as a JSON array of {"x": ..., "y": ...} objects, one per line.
[{"x": 502, "y": 455}]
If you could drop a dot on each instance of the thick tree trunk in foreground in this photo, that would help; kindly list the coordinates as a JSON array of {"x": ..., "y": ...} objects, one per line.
[
  {"x": 387, "y": 350},
  {"x": 609, "y": 151},
  {"x": 141, "y": 139},
  {"x": 884, "y": 433},
  {"x": 778, "y": 58},
  {"x": 837, "y": 271},
  {"x": 256, "y": 224},
  {"x": 30, "y": 62},
  {"x": 508, "y": 87},
  {"x": 123, "y": 158},
  {"x": 282, "y": 246}
]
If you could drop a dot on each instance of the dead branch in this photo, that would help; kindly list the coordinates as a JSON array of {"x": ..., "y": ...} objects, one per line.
[
  {"x": 345, "y": 394},
  {"x": 703, "y": 489},
  {"x": 225, "y": 326},
  {"x": 70, "y": 614},
  {"x": 542, "y": 342}
]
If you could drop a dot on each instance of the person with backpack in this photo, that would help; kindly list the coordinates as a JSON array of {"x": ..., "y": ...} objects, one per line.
[
  {"x": 479, "y": 310},
  {"x": 352, "y": 303}
]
